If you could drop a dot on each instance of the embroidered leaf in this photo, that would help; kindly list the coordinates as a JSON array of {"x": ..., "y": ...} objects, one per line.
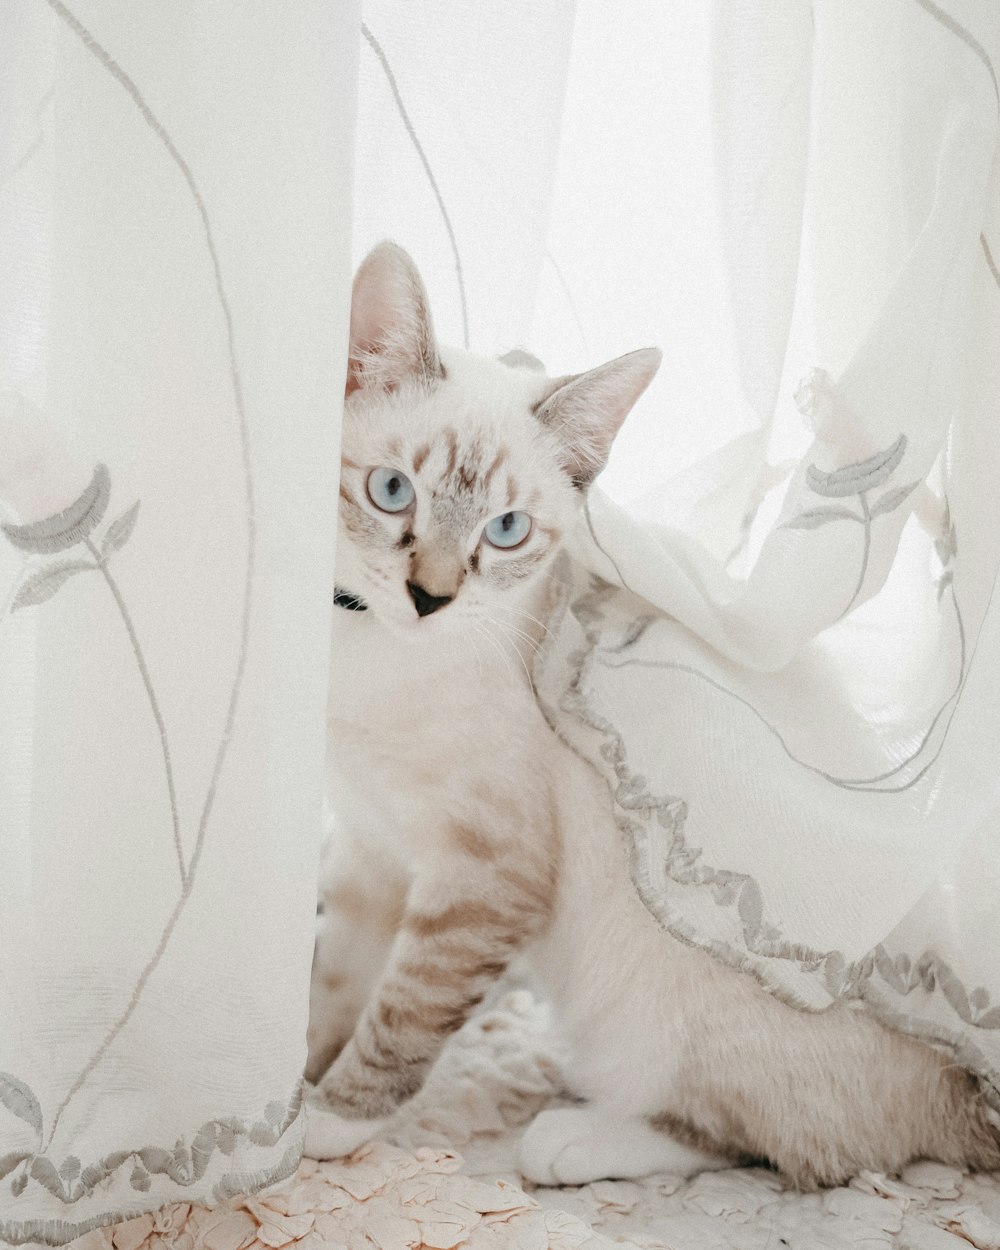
[
  {"x": 9, "y": 1162},
  {"x": 816, "y": 517},
  {"x": 989, "y": 1019},
  {"x": 834, "y": 971},
  {"x": 44, "y": 584},
  {"x": 852, "y": 479},
  {"x": 202, "y": 1148},
  {"x": 140, "y": 1178},
  {"x": 120, "y": 530},
  {"x": 156, "y": 1159},
  {"x": 893, "y": 498},
  {"x": 262, "y": 1134},
  {"x": 93, "y": 1175},
  {"x": 954, "y": 992},
  {"x": 181, "y": 1160},
  {"x": 18, "y": 1183},
  {"x": 18, "y": 1099},
  {"x": 66, "y": 528},
  {"x": 43, "y": 1171}
]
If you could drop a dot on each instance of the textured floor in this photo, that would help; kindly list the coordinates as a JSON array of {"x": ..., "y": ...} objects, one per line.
[{"x": 444, "y": 1177}]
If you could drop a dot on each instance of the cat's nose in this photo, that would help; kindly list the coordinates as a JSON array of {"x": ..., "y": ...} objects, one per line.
[{"x": 426, "y": 603}]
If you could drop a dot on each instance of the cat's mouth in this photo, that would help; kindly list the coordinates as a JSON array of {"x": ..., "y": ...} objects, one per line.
[{"x": 424, "y": 618}]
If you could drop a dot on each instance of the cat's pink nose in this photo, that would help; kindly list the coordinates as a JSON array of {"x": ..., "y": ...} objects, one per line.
[{"x": 426, "y": 603}]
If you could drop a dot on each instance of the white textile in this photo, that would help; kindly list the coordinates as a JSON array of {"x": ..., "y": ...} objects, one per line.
[
  {"x": 172, "y": 347},
  {"x": 781, "y": 643}
]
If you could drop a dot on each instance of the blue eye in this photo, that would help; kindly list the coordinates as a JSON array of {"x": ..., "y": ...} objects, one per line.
[
  {"x": 509, "y": 530},
  {"x": 390, "y": 490}
]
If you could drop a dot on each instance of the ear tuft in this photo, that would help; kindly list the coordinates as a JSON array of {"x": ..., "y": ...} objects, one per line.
[
  {"x": 586, "y": 411},
  {"x": 392, "y": 337}
]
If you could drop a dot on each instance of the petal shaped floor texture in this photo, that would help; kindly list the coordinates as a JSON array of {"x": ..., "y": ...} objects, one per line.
[{"x": 442, "y": 1175}]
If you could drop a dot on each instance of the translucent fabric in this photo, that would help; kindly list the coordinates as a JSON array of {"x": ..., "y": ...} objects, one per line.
[
  {"x": 172, "y": 339},
  {"x": 779, "y": 641}
]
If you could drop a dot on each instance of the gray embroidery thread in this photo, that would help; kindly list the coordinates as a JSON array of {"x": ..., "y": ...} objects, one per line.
[
  {"x": 960, "y": 32},
  {"x": 73, "y": 526},
  {"x": 418, "y": 147},
  {"x": 856, "y": 480},
  {"x": 988, "y": 256},
  {"x": 875, "y": 471},
  {"x": 185, "y": 1164}
]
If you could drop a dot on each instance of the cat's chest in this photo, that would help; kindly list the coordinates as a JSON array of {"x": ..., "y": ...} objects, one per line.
[{"x": 413, "y": 730}]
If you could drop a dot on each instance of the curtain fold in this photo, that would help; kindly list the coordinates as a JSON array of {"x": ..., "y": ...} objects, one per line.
[
  {"x": 830, "y": 825},
  {"x": 172, "y": 347}
]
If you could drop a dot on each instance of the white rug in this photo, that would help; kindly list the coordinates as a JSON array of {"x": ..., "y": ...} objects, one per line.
[{"x": 443, "y": 1176}]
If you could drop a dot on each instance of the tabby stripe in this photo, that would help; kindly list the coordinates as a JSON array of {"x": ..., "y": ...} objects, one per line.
[
  {"x": 501, "y": 457},
  {"x": 453, "y": 975},
  {"x": 452, "y": 438},
  {"x": 373, "y": 1054},
  {"x": 427, "y": 1017},
  {"x": 466, "y": 913},
  {"x": 474, "y": 843},
  {"x": 534, "y": 891}
]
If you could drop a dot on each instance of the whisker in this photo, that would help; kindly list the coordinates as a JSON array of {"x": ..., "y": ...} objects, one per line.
[
  {"x": 517, "y": 635},
  {"x": 507, "y": 607},
  {"x": 475, "y": 648},
  {"x": 481, "y": 628},
  {"x": 504, "y": 626}
]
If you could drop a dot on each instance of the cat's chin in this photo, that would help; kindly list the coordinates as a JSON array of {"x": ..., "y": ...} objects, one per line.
[{"x": 416, "y": 629}]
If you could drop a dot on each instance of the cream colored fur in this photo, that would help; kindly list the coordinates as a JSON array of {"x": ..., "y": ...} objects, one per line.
[{"x": 466, "y": 832}]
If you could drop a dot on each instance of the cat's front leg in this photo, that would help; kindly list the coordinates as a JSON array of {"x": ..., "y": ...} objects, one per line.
[
  {"x": 363, "y": 899},
  {"x": 331, "y": 1136},
  {"x": 459, "y": 931}
]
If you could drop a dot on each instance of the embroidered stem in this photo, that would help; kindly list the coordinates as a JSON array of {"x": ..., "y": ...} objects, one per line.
[
  {"x": 867, "y": 521},
  {"x": 147, "y": 682}
]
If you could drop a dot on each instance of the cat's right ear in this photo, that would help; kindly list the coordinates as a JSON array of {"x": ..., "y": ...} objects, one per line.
[
  {"x": 392, "y": 337},
  {"x": 586, "y": 411}
]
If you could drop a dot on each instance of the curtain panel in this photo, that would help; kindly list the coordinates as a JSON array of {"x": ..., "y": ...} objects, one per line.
[
  {"x": 778, "y": 642},
  {"x": 820, "y": 607},
  {"x": 172, "y": 348}
]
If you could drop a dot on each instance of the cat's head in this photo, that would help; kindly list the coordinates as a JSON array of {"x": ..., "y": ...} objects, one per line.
[{"x": 461, "y": 476}]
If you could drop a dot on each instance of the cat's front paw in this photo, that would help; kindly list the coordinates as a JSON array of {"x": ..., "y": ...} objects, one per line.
[{"x": 331, "y": 1136}]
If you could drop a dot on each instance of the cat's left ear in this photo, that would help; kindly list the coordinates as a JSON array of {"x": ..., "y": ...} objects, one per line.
[
  {"x": 392, "y": 337},
  {"x": 586, "y": 411}
]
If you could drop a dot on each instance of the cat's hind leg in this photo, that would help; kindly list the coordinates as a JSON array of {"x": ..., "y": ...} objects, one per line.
[{"x": 576, "y": 1145}]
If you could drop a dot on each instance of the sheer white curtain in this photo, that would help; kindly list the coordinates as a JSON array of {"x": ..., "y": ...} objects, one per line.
[
  {"x": 175, "y": 274},
  {"x": 787, "y": 662}
]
